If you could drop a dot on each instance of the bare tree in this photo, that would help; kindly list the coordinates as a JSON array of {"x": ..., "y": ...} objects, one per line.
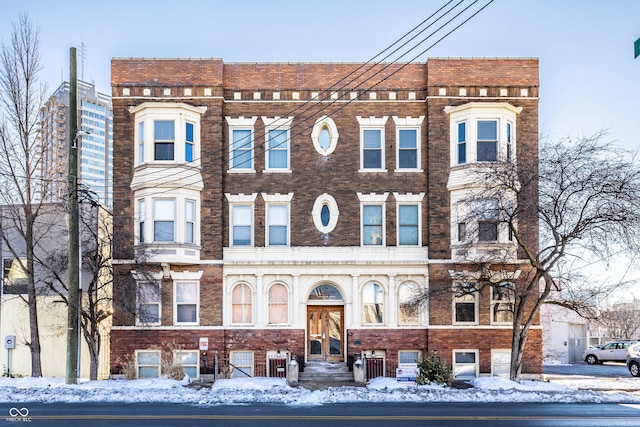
[
  {"x": 22, "y": 182},
  {"x": 584, "y": 197},
  {"x": 621, "y": 320}
]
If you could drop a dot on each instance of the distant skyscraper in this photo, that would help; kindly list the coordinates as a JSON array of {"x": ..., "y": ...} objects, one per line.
[{"x": 95, "y": 118}]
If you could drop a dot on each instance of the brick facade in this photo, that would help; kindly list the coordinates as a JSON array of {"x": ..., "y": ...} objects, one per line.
[{"x": 308, "y": 92}]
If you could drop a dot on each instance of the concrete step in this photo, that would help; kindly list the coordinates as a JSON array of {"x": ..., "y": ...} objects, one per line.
[{"x": 326, "y": 372}]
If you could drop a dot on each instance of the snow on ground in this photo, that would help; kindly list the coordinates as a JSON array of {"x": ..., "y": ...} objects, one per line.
[{"x": 272, "y": 390}]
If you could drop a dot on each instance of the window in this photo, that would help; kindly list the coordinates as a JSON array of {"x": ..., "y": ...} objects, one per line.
[
  {"x": 141, "y": 213},
  {"x": 164, "y": 138},
  {"x": 241, "y": 304},
  {"x": 501, "y": 362},
  {"x": 189, "y": 142},
  {"x": 509, "y": 146},
  {"x": 462, "y": 143},
  {"x": 462, "y": 231},
  {"x": 502, "y": 303},
  {"x": 408, "y": 225},
  {"x": 372, "y": 225},
  {"x": 242, "y": 228},
  {"x": 372, "y": 149},
  {"x": 190, "y": 221},
  {"x": 277, "y": 225},
  {"x": 324, "y": 135},
  {"x": 278, "y": 304},
  {"x": 14, "y": 276},
  {"x": 278, "y": 149},
  {"x": 141, "y": 142},
  {"x": 242, "y": 149},
  {"x": 149, "y": 302},
  {"x": 163, "y": 220},
  {"x": 487, "y": 148},
  {"x": 188, "y": 359},
  {"x": 407, "y": 149},
  {"x": 242, "y": 362},
  {"x": 148, "y": 363},
  {"x": 488, "y": 210},
  {"x": 465, "y": 363},
  {"x": 408, "y": 356},
  {"x": 325, "y": 213},
  {"x": 407, "y": 304},
  {"x": 465, "y": 303},
  {"x": 372, "y": 304},
  {"x": 186, "y": 302}
]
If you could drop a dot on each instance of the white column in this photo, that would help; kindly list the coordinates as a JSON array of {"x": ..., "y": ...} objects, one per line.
[
  {"x": 296, "y": 304},
  {"x": 355, "y": 301},
  {"x": 260, "y": 308},
  {"x": 392, "y": 310}
]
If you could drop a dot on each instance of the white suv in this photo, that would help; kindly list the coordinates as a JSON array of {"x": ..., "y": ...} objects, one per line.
[
  {"x": 633, "y": 359},
  {"x": 610, "y": 352}
]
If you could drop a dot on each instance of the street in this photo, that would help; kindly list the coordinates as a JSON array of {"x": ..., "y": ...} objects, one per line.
[{"x": 360, "y": 414}]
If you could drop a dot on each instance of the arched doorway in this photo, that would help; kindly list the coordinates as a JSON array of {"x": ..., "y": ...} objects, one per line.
[{"x": 325, "y": 324}]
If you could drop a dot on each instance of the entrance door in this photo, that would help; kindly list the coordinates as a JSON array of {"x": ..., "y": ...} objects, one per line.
[{"x": 325, "y": 326}]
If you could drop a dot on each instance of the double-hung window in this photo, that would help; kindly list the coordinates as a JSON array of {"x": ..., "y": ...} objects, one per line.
[
  {"x": 164, "y": 139},
  {"x": 408, "y": 130},
  {"x": 278, "y": 304},
  {"x": 408, "y": 304},
  {"x": 141, "y": 222},
  {"x": 278, "y": 149},
  {"x": 140, "y": 142},
  {"x": 408, "y": 225},
  {"x": 372, "y": 143},
  {"x": 186, "y": 302},
  {"x": 487, "y": 141},
  {"x": 242, "y": 228},
  {"x": 189, "y": 142},
  {"x": 372, "y": 149},
  {"x": 372, "y": 304},
  {"x": 241, "y": 149},
  {"x": 502, "y": 303},
  {"x": 164, "y": 220},
  {"x": 372, "y": 225},
  {"x": 149, "y": 302},
  {"x": 465, "y": 303},
  {"x": 488, "y": 214},
  {"x": 241, "y": 304},
  {"x": 277, "y": 225},
  {"x": 190, "y": 221},
  {"x": 462, "y": 143}
]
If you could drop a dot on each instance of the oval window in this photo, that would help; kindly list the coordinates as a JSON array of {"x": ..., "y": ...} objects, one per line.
[
  {"x": 325, "y": 138},
  {"x": 325, "y": 215}
]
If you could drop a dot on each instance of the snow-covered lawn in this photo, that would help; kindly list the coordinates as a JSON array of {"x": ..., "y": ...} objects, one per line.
[{"x": 271, "y": 390}]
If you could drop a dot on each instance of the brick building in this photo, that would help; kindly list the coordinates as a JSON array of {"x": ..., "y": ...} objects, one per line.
[{"x": 298, "y": 208}]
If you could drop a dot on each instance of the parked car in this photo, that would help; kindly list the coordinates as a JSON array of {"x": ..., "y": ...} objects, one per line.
[
  {"x": 633, "y": 359},
  {"x": 610, "y": 352}
]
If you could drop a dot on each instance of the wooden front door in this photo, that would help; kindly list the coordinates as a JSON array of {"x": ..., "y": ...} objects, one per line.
[{"x": 325, "y": 332}]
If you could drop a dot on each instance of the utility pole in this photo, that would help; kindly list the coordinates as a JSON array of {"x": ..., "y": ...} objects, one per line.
[{"x": 73, "y": 284}]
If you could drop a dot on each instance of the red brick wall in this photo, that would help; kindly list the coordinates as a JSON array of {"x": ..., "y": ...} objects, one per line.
[{"x": 483, "y": 72}]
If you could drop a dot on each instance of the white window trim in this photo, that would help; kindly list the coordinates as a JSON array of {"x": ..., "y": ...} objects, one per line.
[
  {"x": 175, "y": 303},
  {"x": 372, "y": 123},
  {"x": 377, "y": 200},
  {"x": 180, "y": 113},
  {"x": 196, "y": 223},
  {"x": 277, "y": 123},
  {"x": 495, "y": 351},
  {"x": 334, "y": 212},
  {"x": 472, "y": 112},
  {"x": 159, "y": 366},
  {"x": 409, "y": 351},
  {"x": 138, "y": 302},
  {"x": 409, "y": 123},
  {"x": 176, "y": 360},
  {"x": 268, "y": 304},
  {"x": 252, "y": 289},
  {"x": 399, "y": 301},
  {"x": 277, "y": 199},
  {"x": 463, "y": 350},
  {"x": 476, "y": 295},
  {"x": 495, "y": 302},
  {"x": 327, "y": 122},
  {"x": 241, "y": 200},
  {"x": 385, "y": 308},
  {"x": 412, "y": 200},
  {"x": 241, "y": 123},
  {"x": 153, "y": 221}
]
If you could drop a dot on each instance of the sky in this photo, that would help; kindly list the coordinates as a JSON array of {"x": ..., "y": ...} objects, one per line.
[
  {"x": 589, "y": 79},
  {"x": 22, "y": 391}
]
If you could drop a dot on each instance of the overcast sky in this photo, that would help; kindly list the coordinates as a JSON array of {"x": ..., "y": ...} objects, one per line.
[{"x": 589, "y": 78}]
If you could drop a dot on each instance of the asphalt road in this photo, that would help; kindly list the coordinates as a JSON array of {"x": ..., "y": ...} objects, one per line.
[
  {"x": 353, "y": 415},
  {"x": 607, "y": 369}
]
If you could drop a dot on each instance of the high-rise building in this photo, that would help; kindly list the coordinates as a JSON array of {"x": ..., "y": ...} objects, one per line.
[{"x": 95, "y": 120}]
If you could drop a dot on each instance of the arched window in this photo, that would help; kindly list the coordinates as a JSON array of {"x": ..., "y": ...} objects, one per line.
[
  {"x": 278, "y": 304},
  {"x": 407, "y": 304},
  {"x": 241, "y": 304},
  {"x": 372, "y": 304}
]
